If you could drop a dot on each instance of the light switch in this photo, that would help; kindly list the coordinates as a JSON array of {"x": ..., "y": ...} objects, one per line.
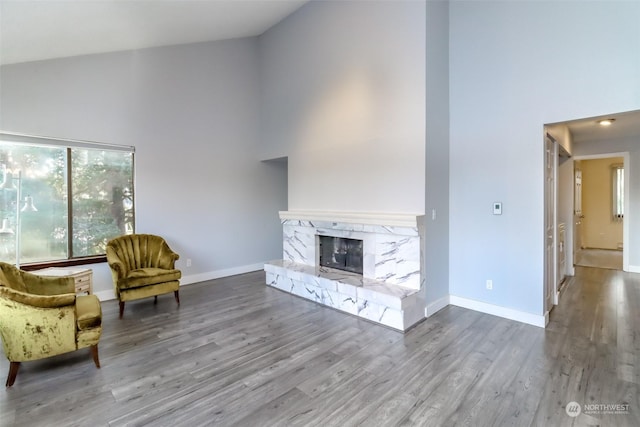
[{"x": 497, "y": 208}]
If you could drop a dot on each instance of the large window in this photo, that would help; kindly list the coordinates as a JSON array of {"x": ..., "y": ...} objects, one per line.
[{"x": 62, "y": 200}]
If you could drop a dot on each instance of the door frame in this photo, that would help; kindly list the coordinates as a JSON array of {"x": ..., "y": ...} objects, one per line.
[{"x": 550, "y": 225}]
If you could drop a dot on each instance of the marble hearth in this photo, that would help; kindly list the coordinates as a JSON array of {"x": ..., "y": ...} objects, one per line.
[{"x": 391, "y": 289}]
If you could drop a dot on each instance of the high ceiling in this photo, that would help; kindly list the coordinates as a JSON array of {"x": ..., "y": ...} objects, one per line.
[{"x": 33, "y": 30}]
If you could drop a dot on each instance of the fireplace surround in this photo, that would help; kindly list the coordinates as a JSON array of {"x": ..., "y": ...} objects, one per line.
[{"x": 390, "y": 288}]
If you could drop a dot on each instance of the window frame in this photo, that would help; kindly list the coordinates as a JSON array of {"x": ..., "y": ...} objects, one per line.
[{"x": 617, "y": 192}]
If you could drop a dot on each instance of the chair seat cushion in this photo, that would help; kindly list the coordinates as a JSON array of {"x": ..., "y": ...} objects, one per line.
[
  {"x": 148, "y": 276},
  {"x": 88, "y": 312}
]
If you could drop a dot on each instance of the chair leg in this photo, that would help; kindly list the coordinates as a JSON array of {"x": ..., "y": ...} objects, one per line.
[
  {"x": 13, "y": 373},
  {"x": 94, "y": 354},
  {"x": 155, "y": 300},
  {"x": 177, "y": 295},
  {"x": 121, "y": 308}
]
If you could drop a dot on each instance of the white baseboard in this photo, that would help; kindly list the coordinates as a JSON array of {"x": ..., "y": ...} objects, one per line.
[
  {"x": 546, "y": 319},
  {"x": 496, "y": 310},
  {"x": 105, "y": 295},
  {"x": 195, "y": 278},
  {"x": 436, "y": 306},
  {"x": 634, "y": 269},
  {"x": 203, "y": 277}
]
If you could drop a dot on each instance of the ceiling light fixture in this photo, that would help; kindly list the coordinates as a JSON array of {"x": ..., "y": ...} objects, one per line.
[{"x": 606, "y": 122}]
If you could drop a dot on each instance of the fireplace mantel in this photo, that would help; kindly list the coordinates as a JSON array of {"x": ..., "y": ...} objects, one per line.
[{"x": 366, "y": 218}]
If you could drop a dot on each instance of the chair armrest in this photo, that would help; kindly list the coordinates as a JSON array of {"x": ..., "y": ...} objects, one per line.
[
  {"x": 118, "y": 267},
  {"x": 88, "y": 312},
  {"x": 167, "y": 258}
]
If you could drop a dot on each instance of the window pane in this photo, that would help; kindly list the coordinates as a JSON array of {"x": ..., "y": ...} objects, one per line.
[
  {"x": 618, "y": 193},
  {"x": 38, "y": 175},
  {"x": 102, "y": 198}
]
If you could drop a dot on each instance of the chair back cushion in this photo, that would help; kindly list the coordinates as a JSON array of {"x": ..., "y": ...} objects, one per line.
[
  {"x": 11, "y": 277},
  {"x": 33, "y": 300},
  {"x": 136, "y": 251},
  {"x": 14, "y": 278}
]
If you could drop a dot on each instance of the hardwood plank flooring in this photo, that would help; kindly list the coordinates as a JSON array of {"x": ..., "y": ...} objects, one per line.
[{"x": 237, "y": 352}]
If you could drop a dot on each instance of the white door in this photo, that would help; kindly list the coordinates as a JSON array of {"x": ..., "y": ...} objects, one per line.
[{"x": 550, "y": 264}]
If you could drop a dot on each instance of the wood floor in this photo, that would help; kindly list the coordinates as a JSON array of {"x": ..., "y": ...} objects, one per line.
[
  {"x": 600, "y": 258},
  {"x": 239, "y": 353}
]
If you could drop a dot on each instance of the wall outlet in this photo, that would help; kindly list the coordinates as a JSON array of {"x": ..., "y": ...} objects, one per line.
[
  {"x": 489, "y": 284},
  {"x": 188, "y": 262}
]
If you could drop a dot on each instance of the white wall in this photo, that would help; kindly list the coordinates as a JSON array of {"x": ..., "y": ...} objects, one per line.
[
  {"x": 515, "y": 66},
  {"x": 192, "y": 113},
  {"x": 343, "y": 87}
]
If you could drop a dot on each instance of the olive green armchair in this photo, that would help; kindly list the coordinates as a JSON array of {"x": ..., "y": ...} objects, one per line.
[
  {"x": 142, "y": 265},
  {"x": 42, "y": 317}
]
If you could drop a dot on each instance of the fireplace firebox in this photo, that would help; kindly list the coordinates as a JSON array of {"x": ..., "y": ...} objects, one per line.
[{"x": 341, "y": 253}]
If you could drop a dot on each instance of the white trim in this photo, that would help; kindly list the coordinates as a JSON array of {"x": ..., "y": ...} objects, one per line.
[
  {"x": 369, "y": 218},
  {"x": 436, "y": 306},
  {"x": 600, "y": 156},
  {"x": 496, "y": 310},
  {"x": 105, "y": 295},
  {"x": 196, "y": 278},
  {"x": 13, "y": 137},
  {"x": 211, "y": 275},
  {"x": 633, "y": 269},
  {"x": 546, "y": 319}
]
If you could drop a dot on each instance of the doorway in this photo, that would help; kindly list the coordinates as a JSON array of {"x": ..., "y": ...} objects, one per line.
[
  {"x": 600, "y": 201},
  {"x": 585, "y": 139}
]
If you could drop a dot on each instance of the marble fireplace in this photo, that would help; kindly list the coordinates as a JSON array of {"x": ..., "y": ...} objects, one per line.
[{"x": 383, "y": 281}]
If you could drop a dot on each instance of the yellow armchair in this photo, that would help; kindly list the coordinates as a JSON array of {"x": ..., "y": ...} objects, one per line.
[
  {"x": 142, "y": 265},
  {"x": 42, "y": 317}
]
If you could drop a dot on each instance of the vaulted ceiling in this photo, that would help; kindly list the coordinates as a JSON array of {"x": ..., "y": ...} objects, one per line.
[{"x": 35, "y": 30}]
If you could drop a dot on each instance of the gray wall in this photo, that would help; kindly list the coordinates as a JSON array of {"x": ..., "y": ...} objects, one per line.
[
  {"x": 514, "y": 67},
  {"x": 343, "y": 95},
  {"x": 192, "y": 113}
]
